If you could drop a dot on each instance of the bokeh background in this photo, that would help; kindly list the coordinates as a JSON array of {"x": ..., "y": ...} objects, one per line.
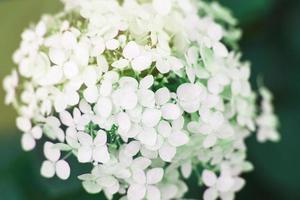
[{"x": 271, "y": 41}]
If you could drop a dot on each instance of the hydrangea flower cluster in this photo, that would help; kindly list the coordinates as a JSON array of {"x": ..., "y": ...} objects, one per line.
[{"x": 146, "y": 92}]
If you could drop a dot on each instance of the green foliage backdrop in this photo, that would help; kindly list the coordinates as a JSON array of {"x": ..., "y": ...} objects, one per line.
[{"x": 271, "y": 41}]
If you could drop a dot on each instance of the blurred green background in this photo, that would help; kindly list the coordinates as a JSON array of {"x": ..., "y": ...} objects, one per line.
[{"x": 271, "y": 41}]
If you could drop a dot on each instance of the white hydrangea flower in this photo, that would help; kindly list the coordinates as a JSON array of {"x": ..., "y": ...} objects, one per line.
[
  {"x": 92, "y": 149},
  {"x": 53, "y": 165},
  {"x": 10, "y": 84},
  {"x": 173, "y": 137},
  {"x": 267, "y": 121},
  {"x": 145, "y": 92},
  {"x": 223, "y": 186},
  {"x": 101, "y": 179},
  {"x": 142, "y": 186},
  {"x": 29, "y": 138}
]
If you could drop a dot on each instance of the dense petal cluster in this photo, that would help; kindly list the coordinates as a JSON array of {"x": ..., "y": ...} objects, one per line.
[{"x": 145, "y": 91}]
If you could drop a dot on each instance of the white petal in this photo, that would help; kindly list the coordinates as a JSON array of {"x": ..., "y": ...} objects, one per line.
[
  {"x": 162, "y": 7},
  {"x": 106, "y": 88},
  {"x": 103, "y": 107},
  {"x": 81, "y": 54},
  {"x": 123, "y": 122},
  {"x": 66, "y": 118},
  {"x": 187, "y": 90},
  {"x": 90, "y": 76},
  {"x": 135, "y": 114},
  {"x": 101, "y": 154},
  {"x": 226, "y": 132},
  {"x": 53, "y": 121},
  {"x": 209, "y": 141},
  {"x": 164, "y": 128},
  {"x": 193, "y": 127},
  {"x": 220, "y": 50},
  {"x": 41, "y": 29},
  {"x": 86, "y": 177},
  {"x": 129, "y": 83},
  {"x": 72, "y": 98},
  {"x": 110, "y": 191},
  {"x": 178, "y": 123},
  {"x": 23, "y": 124},
  {"x": 239, "y": 183},
  {"x": 99, "y": 47},
  {"x": 48, "y": 169},
  {"x": 211, "y": 101},
  {"x": 227, "y": 195},
  {"x": 190, "y": 96},
  {"x": 213, "y": 86},
  {"x": 210, "y": 194},
  {"x": 131, "y": 50},
  {"x": 147, "y": 82},
  {"x": 125, "y": 98},
  {"x": 149, "y": 153},
  {"x": 216, "y": 119},
  {"x": 193, "y": 55},
  {"x": 68, "y": 40},
  {"x": 71, "y": 138},
  {"x": 60, "y": 103},
  {"x": 70, "y": 69},
  {"x": 141, "y": 163},
  {"x": 146, "y": 98},
  {"x": 158, "y": 144},
  {"x": 133, "y": 132},
  {"x": 138, "y": 176},
  {"x": 167, "y": 152},
  {"x": 178, "y": 138},
  {"x": 186, "y": 169},
  {"x": 27, "y": 141},
  {"x": 154, "y": 175},
  {"x": 162, "y": 96},
  {"x": 169, "y": 191},
  {"x": 101, "y": 138},
  {"x": 215, "y": 32},
  {"x": 209, "y": 178},
  {"x": 62, "y": 169},
  {"x": 170, "y": 111},
  {"x": 57, "y": 56},
  {"x": 84, "y": 154},
  {"x": 151, "y": 117},
  {"x": 107, "y": 181},
  {"x": 132, "y": 148},
  {"x": 91, "y": 94},
  {"x": 84, "y": 107},
  {"x": 153, "y": 193},
  {"x": 163, "y": 66},
  {"x": 205, "y": 114},
  {"x": 50, "y": 152},
  {"x": 120, "y": 64},
  {"x": 112, "y": 76},
  {"x": 175, "y": 63},
  {"x": 83, "y": 121},
  {"x": 37, "y": 132},
  {"x": 112, "y": 44},
  {"x": 141, "y": 63},
  {"x": 60, "y": 134},
  {"x": 91, "y": 187},
  {"x": 85, "y": 139},
  {"x": 54, "y": 75},
  {"x": 148, "y": 136},
  {"x": 225, "y": 183},
  {"x": 136, "y": 192}
]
